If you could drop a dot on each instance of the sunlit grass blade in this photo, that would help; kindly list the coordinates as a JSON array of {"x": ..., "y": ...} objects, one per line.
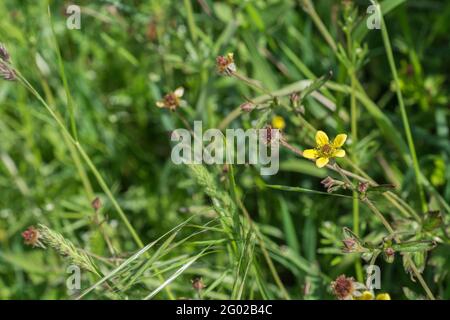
[{"x": 175, "y": 275}]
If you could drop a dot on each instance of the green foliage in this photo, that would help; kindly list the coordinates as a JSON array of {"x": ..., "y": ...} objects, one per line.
[{"x": 81, "y": 121}]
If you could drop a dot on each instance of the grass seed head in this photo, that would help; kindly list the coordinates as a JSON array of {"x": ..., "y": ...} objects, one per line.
[{"x": 4, "y": 54}]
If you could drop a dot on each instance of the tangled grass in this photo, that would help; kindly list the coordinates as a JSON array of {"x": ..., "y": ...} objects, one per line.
[{"x": 85, "y": 151}]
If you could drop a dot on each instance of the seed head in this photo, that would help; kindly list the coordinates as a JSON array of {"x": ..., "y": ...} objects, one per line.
[
  {"x": 347, "y": 288},
  {"x": 225, "y": 64},
  {"x": 31, "y": 236},
  {"x": 6, "y": 72},
  {"x": 172, "y": 100},
  {"x": 247, "y": 106},
  {"x": 197, "y": 284},
  {"x": 96, "y": 204},
  {"x": 4, "y": 55},
  {"x": 343, "y": 287},
  {"x": 362, "y": 187}
]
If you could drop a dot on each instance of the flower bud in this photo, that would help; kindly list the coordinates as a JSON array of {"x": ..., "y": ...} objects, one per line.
[
  {"x": 247, "y": 106},
  {"x": 389, "y": 255},
  {"x": 96, "y": 204}
]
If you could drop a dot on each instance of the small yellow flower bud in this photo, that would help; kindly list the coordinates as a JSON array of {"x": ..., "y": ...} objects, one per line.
[
  {"x": 366, "y": 295},
  {"x": 278, "y": 123},
  {"x": 383, "y": 296}
]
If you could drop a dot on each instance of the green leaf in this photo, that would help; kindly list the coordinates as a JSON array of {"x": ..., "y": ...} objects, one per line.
[
  {"x": 288, "y": 226},
  {"x": 414, "y": 246},
  {"x": 386, "y": 7},
  {"x": 432, "y": 220},
  {"x": 304, "y": 190},
  {"x": 315, "y": 85},
  {"x": 419, "y": 260},
  {"x": 381, "y": 188}
]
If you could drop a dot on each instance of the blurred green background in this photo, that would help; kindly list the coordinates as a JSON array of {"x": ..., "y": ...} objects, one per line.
[{"x": 126, "y": 56}]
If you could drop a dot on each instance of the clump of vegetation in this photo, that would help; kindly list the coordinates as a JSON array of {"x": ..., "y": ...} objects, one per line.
[{"x": 85, "y": 127}]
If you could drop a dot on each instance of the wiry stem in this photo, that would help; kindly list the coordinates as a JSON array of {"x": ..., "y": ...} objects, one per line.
[
  {"x": 409, "y": 138},
  {"x": 391, "y": 230},
  {"x": 91, "y": 166}
]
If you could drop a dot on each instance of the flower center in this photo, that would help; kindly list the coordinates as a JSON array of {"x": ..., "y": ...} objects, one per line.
[
  {"x": 171, "y": 100},
  {"x": 326, "y": 150}
]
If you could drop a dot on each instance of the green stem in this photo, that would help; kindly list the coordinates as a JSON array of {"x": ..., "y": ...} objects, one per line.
[
  {"x": 91, "y": 165},
  {"x": 391, "y": 230},
  {"x": 190, "y": 19},
  {"x": 404, "y": 115},
  {"x": 70, "y": 105},
  {"x": 354, "y": 133},
  {"x": 263, "y": 247},
  {"x": 309, "y": 8}
]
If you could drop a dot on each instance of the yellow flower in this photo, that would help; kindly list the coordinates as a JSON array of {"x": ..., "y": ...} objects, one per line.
[
  {"x": 172, "y": 100},
  {"x": 325, "y": 149},
  {"x": 366, "y": 295},
  {"x": 278, "y": 123},
  {"x": 383, "y": 296}
]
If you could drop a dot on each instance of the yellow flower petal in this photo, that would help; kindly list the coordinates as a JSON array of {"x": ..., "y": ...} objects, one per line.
[
  {"x": 310, "y": 153},
  {"x": 339, "y": 153},
  {"x": 339, "y": 140},
  {"x": 366, "y": 295},
  {"x": 321, "y": 162},
  {"x": 383, "y": 296},
  {"x": 160, "y": 104},
  {"x": 321, "y": 138}
]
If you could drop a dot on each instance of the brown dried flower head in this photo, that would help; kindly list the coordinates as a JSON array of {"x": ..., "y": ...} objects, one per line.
[
  {"x": 197, "y": 284},
  {"x": 31, "y": 236},
  {"x": 225, "y": 64},
  {"x": 96, "y": 203},
  {"x": 172, "y": 100},
  {"x": 363, "y": 186},
  {"x": 346, "y": 288}
]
